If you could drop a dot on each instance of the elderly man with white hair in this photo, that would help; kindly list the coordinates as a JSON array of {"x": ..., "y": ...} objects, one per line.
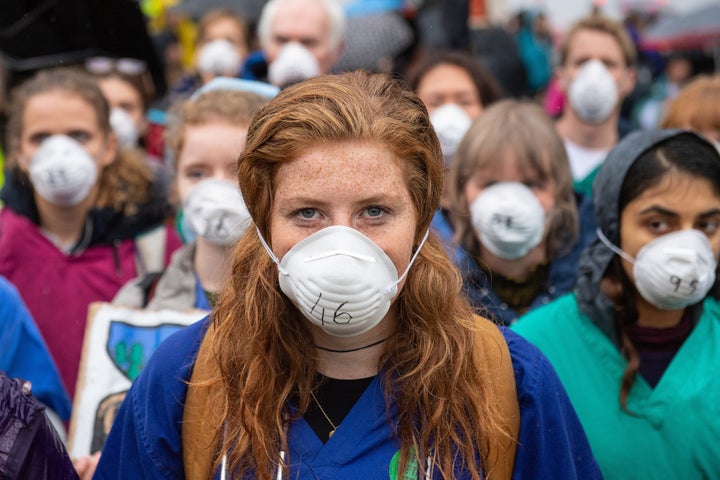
[{"x": 299, "y": 39}]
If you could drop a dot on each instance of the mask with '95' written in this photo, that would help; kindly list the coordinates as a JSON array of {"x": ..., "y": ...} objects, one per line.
[
  {"x": 339, "y": 279},
  {"x": 673, "y": 271}
]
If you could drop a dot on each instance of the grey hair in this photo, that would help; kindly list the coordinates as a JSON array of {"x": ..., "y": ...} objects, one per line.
[{"x": 334, "y": 9}]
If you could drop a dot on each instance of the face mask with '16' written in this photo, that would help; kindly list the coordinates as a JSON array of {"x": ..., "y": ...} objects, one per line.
[
  {"x": 339, "y": 279},
  {"x": 673, "y": 271}
]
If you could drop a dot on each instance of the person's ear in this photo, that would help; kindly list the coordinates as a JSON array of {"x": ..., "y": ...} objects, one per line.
[{"x": 110, "y": 151}]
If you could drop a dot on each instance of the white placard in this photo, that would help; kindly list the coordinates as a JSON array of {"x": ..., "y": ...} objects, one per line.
[{"x": 117, "y": 345}]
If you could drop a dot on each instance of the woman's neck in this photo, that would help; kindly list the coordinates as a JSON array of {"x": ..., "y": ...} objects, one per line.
[
  {"x": 212, "y": 264},
  {"x": 519, "y": 269},
  {"x": 63, "y": 225},
  {"x": 651, "y": 316},
  {"x": 363, "y": 361}
]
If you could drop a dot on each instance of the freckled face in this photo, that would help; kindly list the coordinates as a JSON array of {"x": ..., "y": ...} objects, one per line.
[{"x": 354, "y": 184}]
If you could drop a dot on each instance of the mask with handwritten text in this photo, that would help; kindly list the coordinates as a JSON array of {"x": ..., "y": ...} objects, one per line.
[
  {"x": 508, "y": 219},
  {"x": 673, "y": 271},
  {"x": 340, "y": 280},
  {"x": 214, "y": 210},
  {"x": 62, "y": 171}
]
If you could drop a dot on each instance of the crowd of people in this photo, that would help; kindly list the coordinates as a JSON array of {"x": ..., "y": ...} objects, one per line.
[{"x": 413, "y": 265}]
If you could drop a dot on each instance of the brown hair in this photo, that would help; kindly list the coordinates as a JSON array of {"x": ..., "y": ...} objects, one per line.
[
  {"x": 601, "y": 23},
  {"x": 524, "y": 129},
  {"x": 488, "y": 89},
  {"x": 697, "y": 105},
  {"x": 429, "y": 363},
  {"x": 222, "y": 106},
  {"x": 123, "y": 185},
  {"x": 214, "y": 15}
]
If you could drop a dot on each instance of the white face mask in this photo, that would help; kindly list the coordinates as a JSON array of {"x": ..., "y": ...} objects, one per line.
[
  {"x": 62, "y": 171},
  {"x": 508, "y": 219},
  {"x": 219, "y": 57},
  {"x": 593, "y": 93},
  {"x": 214, "y": 209},
  {"x": 340, "y": 279},
  {"x": 124, "y": 128},
  {"x": 673, "y": 271},
  {"x": 450, "y": 123},
  {"x": 293, "y": 64}
]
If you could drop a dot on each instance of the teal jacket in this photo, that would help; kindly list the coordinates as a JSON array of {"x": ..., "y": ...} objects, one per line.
[{"x": 674, "y": 431}]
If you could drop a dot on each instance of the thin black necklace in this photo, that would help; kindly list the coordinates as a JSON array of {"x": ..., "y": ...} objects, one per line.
[{"x": 351, "y": 349}]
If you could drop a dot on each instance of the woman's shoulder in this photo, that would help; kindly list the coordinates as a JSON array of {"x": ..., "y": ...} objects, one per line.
[{"x": 552, "y": 443}]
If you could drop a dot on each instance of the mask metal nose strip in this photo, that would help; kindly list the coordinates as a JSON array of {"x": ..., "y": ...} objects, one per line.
[{"x": 340, "y": 251}]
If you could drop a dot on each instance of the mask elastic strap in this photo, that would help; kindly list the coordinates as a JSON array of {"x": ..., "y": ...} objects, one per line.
[
  {"x": 612, "y": 247},
  {"x": 412, "y": 260},
  {"x": 270, "y": 252}
]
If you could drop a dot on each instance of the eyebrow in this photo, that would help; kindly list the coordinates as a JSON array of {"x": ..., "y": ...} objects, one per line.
[
  {"x": 660, "y": 210},
  {"x": 670, "y": 213}
]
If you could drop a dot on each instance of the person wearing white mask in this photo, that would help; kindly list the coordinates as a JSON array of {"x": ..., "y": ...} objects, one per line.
[
  {"x": 299, "y": 40},
  {"x": 77, "y": 212},
  {"x": 222, "y": 45},
  {"x": 513, "y": 214},
  {"x": 206, "y": 135},
  {"x": 637, "y": 344},
  {"x": 455, "y": 89},
  {"x": 596, "y": 72},
  {"x": 342, "y": 346}
]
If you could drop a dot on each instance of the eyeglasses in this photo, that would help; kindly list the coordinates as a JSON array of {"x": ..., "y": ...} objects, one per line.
[{"x": 103, "y": 65}]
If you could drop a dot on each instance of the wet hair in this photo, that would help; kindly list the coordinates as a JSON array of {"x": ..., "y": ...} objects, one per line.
[
  {"x": 603, "y": 24},
  {"x": 684, "y": 154},
  {"x": 486, "y": 86},
  {"x": 123, "y": 185},
  {"x": 523, "y": 129},
  {"x": 432, "y": 351}
]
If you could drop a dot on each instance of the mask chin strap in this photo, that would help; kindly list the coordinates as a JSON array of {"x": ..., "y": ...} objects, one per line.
[
  {"x": 612, "y": 247},
  {"x": 412, "y": 260}
]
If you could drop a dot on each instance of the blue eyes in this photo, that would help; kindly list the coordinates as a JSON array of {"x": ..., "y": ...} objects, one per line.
[
  {"x": 307, "y": 212},
  {"x": 374, "y": 211},
  {"x": 368, "y": 212}
]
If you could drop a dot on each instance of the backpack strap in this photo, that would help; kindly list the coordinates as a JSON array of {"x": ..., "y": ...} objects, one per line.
[
  {"x": 150, "y": 250},
  {"x": 494, "y": 359},
  {"x": 205, "y": 406},
  {"x": 203, "y": 413}
]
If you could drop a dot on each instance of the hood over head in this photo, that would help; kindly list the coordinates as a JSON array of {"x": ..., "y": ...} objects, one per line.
[{"x": 606, "y": 197}]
